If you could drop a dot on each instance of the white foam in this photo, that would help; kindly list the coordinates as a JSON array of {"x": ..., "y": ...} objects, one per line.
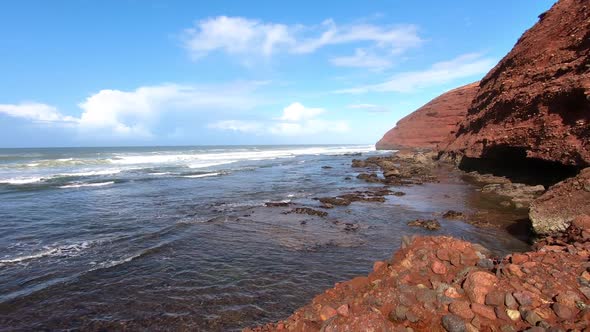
[
  {"x": 60, "y": 250},
  {"x": 80, "y": 185},
  {"x": 21, "y": 180},
  {"x": 93, "y": 173},
  {"x": 196, "y": 176}
]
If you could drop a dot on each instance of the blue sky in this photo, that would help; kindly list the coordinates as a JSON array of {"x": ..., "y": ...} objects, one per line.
[{"x": 154, "y": 72}]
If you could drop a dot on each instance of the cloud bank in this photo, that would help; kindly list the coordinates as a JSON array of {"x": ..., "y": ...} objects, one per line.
[
  {"x": 463, "y": 66},
  {"x": 250, "y": 37},
  {"x": 295, "y": 120}
]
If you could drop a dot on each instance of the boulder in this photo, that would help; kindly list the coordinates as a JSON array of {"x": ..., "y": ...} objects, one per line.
[{"x": 556, "y": 209}]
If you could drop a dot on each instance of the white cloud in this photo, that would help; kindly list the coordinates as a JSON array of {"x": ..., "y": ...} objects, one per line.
[
  {"x": 397, "y": 39},
  {"x": 439, "y": 73},
  {"x": 362, "y": 59},
  {"x": 371, "y": 108},
  {"x": 296, "y": 120},
  {"x": 244, "y": 36},
  {"x": 297, "y": 112},
  {"x": 36, "y": 112},
  {"x": 236, "y": 35},
  {"x": 135, "y": 113},
  {"x": 238, "y": 125}
]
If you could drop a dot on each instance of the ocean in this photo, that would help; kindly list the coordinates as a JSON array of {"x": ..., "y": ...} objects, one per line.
[{"x": 179, "y": 238}]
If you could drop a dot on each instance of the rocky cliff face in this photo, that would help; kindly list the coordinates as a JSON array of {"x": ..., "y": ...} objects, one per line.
[
  {"x": 432, "y": 123},
  {"x": 537, "y": 99}
]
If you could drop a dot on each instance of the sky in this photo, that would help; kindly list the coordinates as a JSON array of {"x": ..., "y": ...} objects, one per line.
[{"x": 155, "y": 72}]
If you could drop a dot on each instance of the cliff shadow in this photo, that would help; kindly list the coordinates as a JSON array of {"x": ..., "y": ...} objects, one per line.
[{"x": 513, "y": 163}]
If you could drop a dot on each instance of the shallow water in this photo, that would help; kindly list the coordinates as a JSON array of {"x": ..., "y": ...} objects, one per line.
[{"x": 178, "y": 238}]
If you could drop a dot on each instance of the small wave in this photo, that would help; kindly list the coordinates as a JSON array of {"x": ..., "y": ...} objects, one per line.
[
  {"x": 92, "y": 173},
  {"x": 61, "y": 250},
  {"x": 21, "y": 180},
  {"x": 201, "y": 175},
  {"x": 80, "y": 185}
]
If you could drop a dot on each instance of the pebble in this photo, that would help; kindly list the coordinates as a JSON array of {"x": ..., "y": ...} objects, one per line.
[
  {"x": 343, "y": 310},
  {"x": 483, "y": 310},
  {"x": 531, "y": 317},
  {"x": 478, "y": 284},
  {"x": 494, "y": 298},
  {"x": 513, "y": 314},
  {"x": 461, "y": 309},
  {"x": 562, "y": 311},
  {"x": 524, "y": 299},
  {"x": 510, "y": 301},
  {"x": 453, "y": 323},
  {"x": 438, "y": 267}
]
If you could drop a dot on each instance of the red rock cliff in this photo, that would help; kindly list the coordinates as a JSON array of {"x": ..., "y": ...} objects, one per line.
[
  {"x": 538, "y": 97},
  {"x": 432, "y": 123}
]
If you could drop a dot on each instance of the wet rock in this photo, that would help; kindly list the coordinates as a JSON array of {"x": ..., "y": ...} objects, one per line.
[
  {"x": 428, "y": 224},
  {"x": 451, "y": 214},
  {"x": 358, "y": 163},
  {"x": 519, "y": 194},
  {"x": 391, "y": 173},
  {"x": 369, "y": 177},
  {"x": 277, "y": 204},
  {"x": 334, "y": 201},
  {"x": 560, "y": 205},
  {"x": 308, "y": 211},
  {"x": 453, "y": 323},
  {"x": 478, "y": 284}
]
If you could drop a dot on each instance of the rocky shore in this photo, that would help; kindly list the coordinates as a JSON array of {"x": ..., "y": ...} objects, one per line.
[
  {"x": 443, "y": 283},
  {"x": 522, "y": 135}
]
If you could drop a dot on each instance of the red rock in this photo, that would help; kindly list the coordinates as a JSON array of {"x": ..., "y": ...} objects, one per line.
[
  {"x": 556, "y": 209},
  {"x": 343, "y": 310},
  {"x": 562, "y": 311},
  {"x": 327, "y": 312},
  {"x": 582, "y": 222},
  {"x": 495, "y": 298},
  {"x": 452, "y": 293},
  {"x": 513, "y": 270},
  {"x": 432, "y": 123},
  {"x": 378, "y": 265},
  {"x": 438, "y": 267},
  {"x": 523, "y": 298},
  {"x": 483, "y": 311},
  {"x": 461, "y": 309},
  {"x": 519, "y": 258},
  {"x": 443, "y": 254},
  {"x": 478, "y": 284},
  {"x": 536, "y": 97}
]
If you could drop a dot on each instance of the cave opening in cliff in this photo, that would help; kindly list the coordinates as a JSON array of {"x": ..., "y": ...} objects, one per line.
[{"x": 513, "y": 163}]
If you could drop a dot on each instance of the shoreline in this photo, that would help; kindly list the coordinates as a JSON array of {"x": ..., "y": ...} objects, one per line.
[{"x": 444, "y": 282}]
